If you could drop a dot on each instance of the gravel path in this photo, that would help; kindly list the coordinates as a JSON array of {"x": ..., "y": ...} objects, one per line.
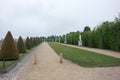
[
  {"x": 49, "y": 68},
  {"x": 21, "y": 64}
]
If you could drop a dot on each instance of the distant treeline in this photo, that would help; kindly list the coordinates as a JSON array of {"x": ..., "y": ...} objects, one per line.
[{"x": 104, "y": 36}]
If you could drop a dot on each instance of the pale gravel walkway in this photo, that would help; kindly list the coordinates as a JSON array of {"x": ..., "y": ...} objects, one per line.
[
  {"x": 21, "y": 64},
  {"x": 49, "y": 68},
  {"x": 101, "y": 51}
]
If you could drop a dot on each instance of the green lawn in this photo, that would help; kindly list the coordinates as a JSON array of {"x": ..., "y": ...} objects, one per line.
[
  {"x": 7, "y": 64},
  {"x": 85, "y": 58}
]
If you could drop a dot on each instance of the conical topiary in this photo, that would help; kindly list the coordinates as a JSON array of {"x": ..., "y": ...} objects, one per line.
[
  {"x": 28, "y": 43},
  {"x": 31, "y": 41},
  {"x": 34, "y": 41},
  {"x": 9, "y": 49},
  {"x": 21, "y": 46}
]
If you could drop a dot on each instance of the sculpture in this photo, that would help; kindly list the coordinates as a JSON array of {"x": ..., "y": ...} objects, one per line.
[{"x": 80, "y": 41}]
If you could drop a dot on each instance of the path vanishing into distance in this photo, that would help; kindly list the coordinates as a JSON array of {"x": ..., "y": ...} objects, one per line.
[{"x": 49, "y": 68}]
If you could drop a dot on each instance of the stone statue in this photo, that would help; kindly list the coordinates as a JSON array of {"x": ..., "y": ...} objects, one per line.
[
  {"x": 59, "y": 39},
  {"x": 65, "y": 40},
  {"x": 80, "y": 41}
]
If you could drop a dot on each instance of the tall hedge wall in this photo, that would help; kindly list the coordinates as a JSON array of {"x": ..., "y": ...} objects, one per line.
[{"x": 105, "y": 36}]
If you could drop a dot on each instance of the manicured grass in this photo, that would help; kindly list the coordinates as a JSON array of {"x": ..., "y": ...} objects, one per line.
[
  {"x": 7, "y": 63},
  {"x": 85, "y": 58}
]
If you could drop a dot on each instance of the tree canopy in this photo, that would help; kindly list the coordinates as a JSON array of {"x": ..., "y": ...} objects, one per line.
[{"x": 87, "y": 28}]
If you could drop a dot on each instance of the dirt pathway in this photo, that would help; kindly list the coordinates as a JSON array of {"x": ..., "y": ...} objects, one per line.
[
  {"x": 14, "y": 71},
  {"x": 101, "y": 51},
  {"x": 49, "y": 68}
]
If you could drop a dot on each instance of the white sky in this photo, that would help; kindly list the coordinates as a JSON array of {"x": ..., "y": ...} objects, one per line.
[{"x": 53, "y": 17}]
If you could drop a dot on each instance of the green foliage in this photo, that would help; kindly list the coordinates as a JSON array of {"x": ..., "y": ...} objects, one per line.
[
  {"x": 105, "y": 36},
  {"x": 87, "y": 28},
  {"x": 51, "y": 38},
  {"x": 44, "y": 39},
  {"x": 72, "y": 38},
  {"x": 62, "y": 38},
  {"x": 36, "y": 41},
  {"x": 21, "y": 45},
  {"x": 31, "y": 41},
  {"x": 7, "y": 64},
  {"x": 85, "y": 58},
  {"x": 9, "y": 49},
  {"x": 28, "y": 43}
]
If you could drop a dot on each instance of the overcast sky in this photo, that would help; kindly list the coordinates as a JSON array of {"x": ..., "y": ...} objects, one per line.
[{"x": 53, "y": 17}]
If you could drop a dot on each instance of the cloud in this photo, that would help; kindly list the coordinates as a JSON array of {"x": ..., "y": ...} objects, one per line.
[{"x": 57, "y": 17}]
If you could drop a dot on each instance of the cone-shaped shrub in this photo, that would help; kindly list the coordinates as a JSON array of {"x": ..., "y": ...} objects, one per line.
[
  {"x": 31, "y": 41},
  {"x": 38, "y": 40},
  {"x": 34, "y": 41},
  {"x": 28, "y": 43},
  {"x": 21, "y": 46},
  {"x": 9, "y": 49}
]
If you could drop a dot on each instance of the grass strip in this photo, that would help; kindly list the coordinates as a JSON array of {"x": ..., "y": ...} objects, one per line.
[{"x": 85, "y": 58}]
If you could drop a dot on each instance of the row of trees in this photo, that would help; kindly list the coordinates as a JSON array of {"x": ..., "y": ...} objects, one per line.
[
  {"x": 10, "y": 49},
  {"x": 104, "y": 36},
  {"x": 71, "y": 38}
]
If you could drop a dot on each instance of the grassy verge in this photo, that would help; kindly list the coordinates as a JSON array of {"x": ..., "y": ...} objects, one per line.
[
  {"x": 9, "y": 63},
  {"x": 85, "y": 58}
]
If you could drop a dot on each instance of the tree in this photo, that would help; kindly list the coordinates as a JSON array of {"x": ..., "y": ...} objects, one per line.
[
  {"x": 38, "y": 40},
  {"x": 21, "y": 46},
  {"x": 31, "y": 41},
  {"x": 34, "y": 42},
  {"x": 28, "y": 43},
  {"x": 9, "y": 49},
  {"x": 87, "y": 28},
  {"x": 105, "y": 36}
]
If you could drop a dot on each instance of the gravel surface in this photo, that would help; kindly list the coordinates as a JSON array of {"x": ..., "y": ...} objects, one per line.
[
  {"x": 15, "y": 71},
  {"x": 49, "y": 68}
]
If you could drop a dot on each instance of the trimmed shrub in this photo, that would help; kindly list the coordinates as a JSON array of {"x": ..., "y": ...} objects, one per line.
[
  {"x": 28, "y": 43},
  {"x": 34, "y": 42},
  {"x": 31, "y": 41},
  {"x": 21, "y": 46},
  {"x": 9, "y": 49}
]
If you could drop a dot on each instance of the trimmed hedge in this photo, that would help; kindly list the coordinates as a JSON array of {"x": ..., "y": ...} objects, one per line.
[
  {"x": 106, "y": 36},
  {"x": 9, "y": 49},
  {"x": 28, "y": 43},
  {"x": 21, "y": 45}
]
